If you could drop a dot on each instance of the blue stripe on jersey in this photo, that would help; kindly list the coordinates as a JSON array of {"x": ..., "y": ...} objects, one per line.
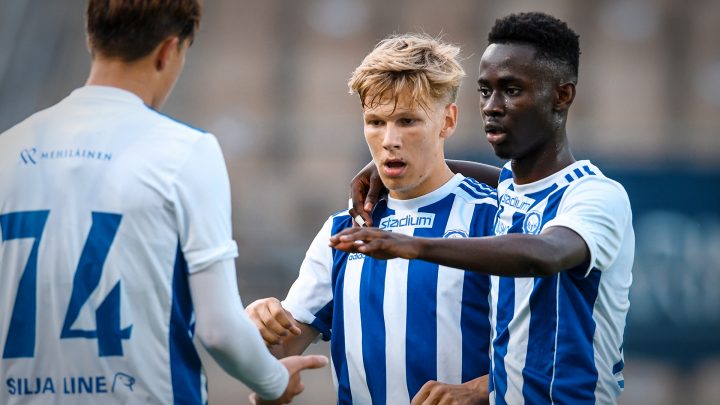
[
  {"x": 541, "y": 341},
  {"x": 578, "y": 173},
  {"x": 480, "y": 188},
  {"x": 576, "y": 380},
  {"x": 473, "y": 193},
  {"x": 588, "y": 170},
  {"x": 475, "y": 326},
  {"x": 618, "y": 367},
  {"x": 337, "y": 345},
  {"x": 505, "y": 174},
  {"x": 474, "y": 319},
  {"x": 323, "y": 321},
  {"x": 569, "y": 177},
  {"x": 505, "y": 309},
  {"x": 553, "y": 203},
  {"x": 539, "y": 196},
  {"x": 372, "y": 292},
  {"x": 421, "y": 325},
  {"x": 185, "y": 364}
]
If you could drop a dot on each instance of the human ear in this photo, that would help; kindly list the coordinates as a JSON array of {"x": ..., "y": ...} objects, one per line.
[
  {"x": 164, "y": 52},
  {"x": 564, "y": 96},
  {"x": 450, "y": 115}
]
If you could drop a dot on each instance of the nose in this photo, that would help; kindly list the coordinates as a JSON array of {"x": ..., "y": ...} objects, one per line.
[
  {"x": 392, "y": 137},
  {"x": 493, "y": 105}
]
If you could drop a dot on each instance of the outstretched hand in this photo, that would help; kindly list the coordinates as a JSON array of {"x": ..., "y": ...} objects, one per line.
[
  {"x": 376, "y": 243},
  {"x": 294, "y": 365},
  {"x": 365, "y": 190}
]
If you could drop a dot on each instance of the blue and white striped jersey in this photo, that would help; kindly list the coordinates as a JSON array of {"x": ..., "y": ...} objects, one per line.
[
  {"x": 396, "y": 324},
  {"x": 559, "y": 339},
  {"x": 100, "y": 198}
]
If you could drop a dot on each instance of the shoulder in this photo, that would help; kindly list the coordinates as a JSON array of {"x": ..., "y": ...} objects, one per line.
[
  {"x": 593, "y": 187},
  {"x": 339, "y": 221},
  {"x": 474, "y": 192},
  {"x": 590, "y": 179},
  {"x": 167, "y": 123}
]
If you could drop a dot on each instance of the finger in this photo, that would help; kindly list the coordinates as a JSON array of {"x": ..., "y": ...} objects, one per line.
[
  {"x": 253, "y": 399},
  {"x": 283, "y": 318},
  {"x": 270, "y": 321},
  {"x": 420, "y": 397},
  {"x": 356, "y": 209},
  {"x": 373, "y": 194},
  {"x": 299, "y": 363},
  {"x": 347, "y": 231}
]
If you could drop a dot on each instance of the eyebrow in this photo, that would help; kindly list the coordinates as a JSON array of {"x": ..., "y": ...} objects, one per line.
[{"x": 503, "y": 80}]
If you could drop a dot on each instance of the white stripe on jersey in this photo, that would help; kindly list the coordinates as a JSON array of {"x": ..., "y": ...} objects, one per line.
[
  {"x": 449, "y": 289},
  {"x": 353, "y": 341},
  {"x": 395, "y": 313}
]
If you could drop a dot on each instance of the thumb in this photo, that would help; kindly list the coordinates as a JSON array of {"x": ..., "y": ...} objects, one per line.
[{"x": 299, "y": 363}]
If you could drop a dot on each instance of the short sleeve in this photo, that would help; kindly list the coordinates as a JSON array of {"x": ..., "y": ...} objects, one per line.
[
  {"x": 202, "y": 206},
  {"x": 597, "y": 209},
  {"x": 310, "y": 299}
]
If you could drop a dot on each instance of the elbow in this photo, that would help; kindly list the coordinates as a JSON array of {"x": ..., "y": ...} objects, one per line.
[
  {"x": 213, "y": 339},
  {"x": 545, "y": 263}
]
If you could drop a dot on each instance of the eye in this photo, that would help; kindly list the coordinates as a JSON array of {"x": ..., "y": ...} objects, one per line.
[
  {"x": 512, "y": 91},
  {"x": 484, "y": 91},
  {"x": 374, "y": 123},
  {"x": 407, "y": 121}
]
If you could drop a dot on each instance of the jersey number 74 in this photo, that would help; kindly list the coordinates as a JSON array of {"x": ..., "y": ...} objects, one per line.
[{"x": 20, "y": 340}]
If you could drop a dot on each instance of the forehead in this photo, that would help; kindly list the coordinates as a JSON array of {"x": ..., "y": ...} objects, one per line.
[
  {"x": 517, "y": 60},
  {"x": 403, "y": 103}
]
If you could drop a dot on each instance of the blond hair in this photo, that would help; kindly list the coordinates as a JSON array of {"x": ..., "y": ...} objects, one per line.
[{"x": 417, "y": 65}]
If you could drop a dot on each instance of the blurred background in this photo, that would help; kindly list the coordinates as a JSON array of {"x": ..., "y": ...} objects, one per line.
[{"x": 268, "y": 78}]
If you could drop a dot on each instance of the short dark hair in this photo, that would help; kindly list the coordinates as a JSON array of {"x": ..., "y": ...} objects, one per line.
[
  {"x": 552, "y": 38},
  {"x": 131, "y": 29}
]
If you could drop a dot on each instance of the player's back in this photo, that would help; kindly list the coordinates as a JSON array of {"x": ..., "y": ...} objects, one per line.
[{"x": 93, "y": 285}]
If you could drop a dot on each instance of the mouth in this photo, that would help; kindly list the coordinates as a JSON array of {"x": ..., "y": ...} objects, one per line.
[
  {"x": 394, "y": 167},
  {"x": 495, "y": 133}
]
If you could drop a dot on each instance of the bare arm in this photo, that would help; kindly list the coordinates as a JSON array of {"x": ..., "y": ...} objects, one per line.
[
  {"x": 479, "y": 171},
  {"x": 517, "y": 255}
]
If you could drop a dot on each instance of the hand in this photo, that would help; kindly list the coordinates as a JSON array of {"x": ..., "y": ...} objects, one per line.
[
  {"x": 376, "y": 243},
  {"x": 365, "y": 190},
  {"x": 294, "y": 365},
  {"x": 272, "y": 320},
  {"x": 474, "y": 392}
]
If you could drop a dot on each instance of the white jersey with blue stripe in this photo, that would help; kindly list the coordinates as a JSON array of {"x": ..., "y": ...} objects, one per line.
[
  {"x": 106, "y": 206},
  {"x": 559, "y": 339},
  {"x": 396, "y": 324}
]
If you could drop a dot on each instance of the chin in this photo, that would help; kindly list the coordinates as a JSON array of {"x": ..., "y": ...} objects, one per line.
[{"x": 502, "y": 154}]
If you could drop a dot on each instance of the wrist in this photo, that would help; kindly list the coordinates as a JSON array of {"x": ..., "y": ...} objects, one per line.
[{"x": 418, "y": 248}]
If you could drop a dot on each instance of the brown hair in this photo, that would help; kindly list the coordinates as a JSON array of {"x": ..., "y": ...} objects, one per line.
[
  {"x": 131, "y": 29},
  {"x": 424, "y": 66}
]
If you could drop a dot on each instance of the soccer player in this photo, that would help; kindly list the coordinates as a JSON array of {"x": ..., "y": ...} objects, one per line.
[
  {"x": 395, "y": 325},
  {"x": 562, "y": 258},
  {"x": 116, "y": 237}
]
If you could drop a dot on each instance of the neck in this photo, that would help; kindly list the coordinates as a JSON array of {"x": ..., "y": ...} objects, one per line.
[
  {"x": 133, "y": 77},
  {"x": 542, "y": 163}
]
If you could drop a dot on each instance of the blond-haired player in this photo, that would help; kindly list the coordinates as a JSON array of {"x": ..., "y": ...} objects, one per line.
[{"x": 396, "y": 326}]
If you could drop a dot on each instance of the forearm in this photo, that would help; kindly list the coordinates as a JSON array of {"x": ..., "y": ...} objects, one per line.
[
  {"x": 229, "y": 336},
  {"x": 479, "y": 171},
  {"x": 514, "y": 255}
]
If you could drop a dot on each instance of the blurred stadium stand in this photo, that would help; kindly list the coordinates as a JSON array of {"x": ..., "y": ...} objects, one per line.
[{"x": 269, "y": 79}]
